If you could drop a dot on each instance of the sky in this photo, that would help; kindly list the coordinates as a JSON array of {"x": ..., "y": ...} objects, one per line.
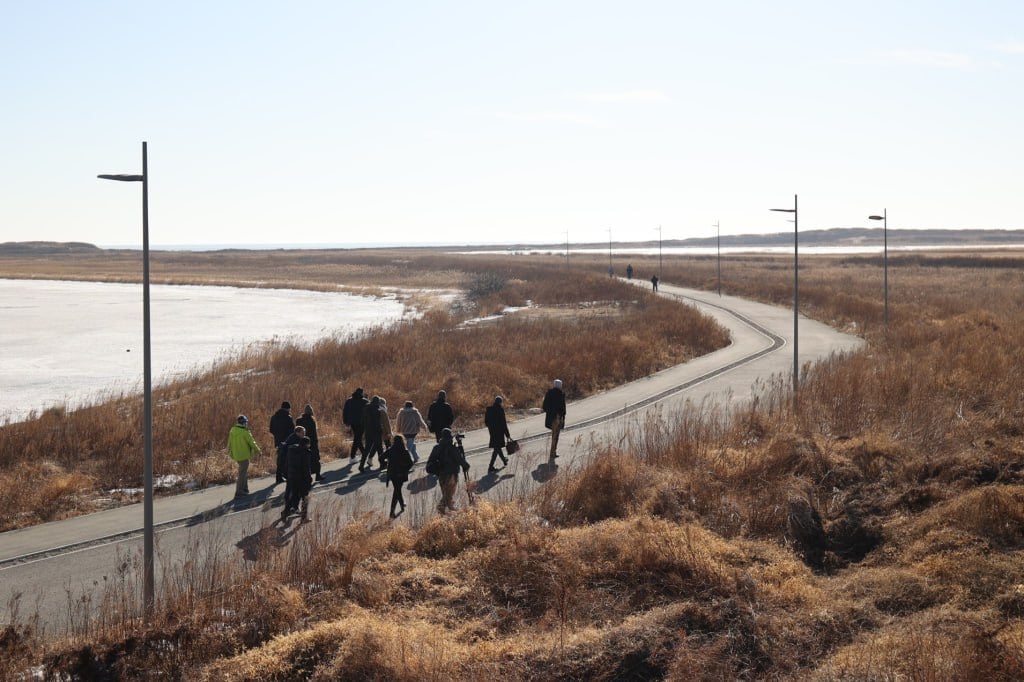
[{"x": 336, "y": 122}]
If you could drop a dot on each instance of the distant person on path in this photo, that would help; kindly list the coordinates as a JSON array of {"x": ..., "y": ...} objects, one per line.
[
  {"x": 629, "y": 271},
  {"x": 654, "y": 282},
  {"x": 242, "y": 446},
  {"x": 408, "y": 422},
  {"x": 554, "y": 413},
  {"x": 372, "y": 434},
  {"x": 445, "y": 461},
  {"x": 282, "y": 453},
  {"x": 440, "y": 415},
  {"x": 399, "y": 465},
  {"x": 299, "y": 467},
  {"x": 497, "y": 427},
  {"x": 352, "y": 417},
  {"x": 308, "y": 422},
  {"x": 281, "y": 426}
]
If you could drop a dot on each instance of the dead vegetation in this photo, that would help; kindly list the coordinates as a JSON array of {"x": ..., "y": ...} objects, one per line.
[{"x": 877, "y": 533}]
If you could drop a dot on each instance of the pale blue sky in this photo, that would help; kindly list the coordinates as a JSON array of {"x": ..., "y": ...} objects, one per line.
[{"x": 405, "y": 122}]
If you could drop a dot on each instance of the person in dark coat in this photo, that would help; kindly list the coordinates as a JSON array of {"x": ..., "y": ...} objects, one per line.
[
  {"x": 308, "y": 422},
  {"x": 281, "y": 426},
  {"x": 447, "y": 459},
  {"x": 299, "y": 467},
  {"x": 352, "y": 417},
  {"x": 629, "y": 271},
  {"x": 654, "y": 282},
  {"x": 554, "y": 413},
  {"x": 282, "y": 452},
  {"x": 440, "y": 415},
  {"x": 372, "y": 433},
  {"x": 497, "y": 427},
  {"x": 399, "y": 465}
]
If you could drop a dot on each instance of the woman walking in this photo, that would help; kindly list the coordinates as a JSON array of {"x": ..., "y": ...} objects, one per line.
[
  {"x": 399, "y": 465},
  {"x": 497, "y": 427}
]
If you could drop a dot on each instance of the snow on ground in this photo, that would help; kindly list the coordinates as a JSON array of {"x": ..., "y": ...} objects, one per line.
[{"x": 65, "y": 343}]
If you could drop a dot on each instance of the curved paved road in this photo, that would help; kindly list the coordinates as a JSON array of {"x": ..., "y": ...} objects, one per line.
[{"x": 47, "y": 563}]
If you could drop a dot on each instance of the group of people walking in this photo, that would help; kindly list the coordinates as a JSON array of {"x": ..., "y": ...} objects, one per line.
[{"x": 298, "y": 450}]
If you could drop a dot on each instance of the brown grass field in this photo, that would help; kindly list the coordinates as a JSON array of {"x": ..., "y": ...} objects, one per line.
[{"x": 876, "y": 532}]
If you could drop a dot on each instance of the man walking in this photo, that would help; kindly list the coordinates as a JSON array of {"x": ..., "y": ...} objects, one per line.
[
  {"x": 554, "y": 413},
  {"x": 242, "y": 446},
  {"x": 281, "y": 426},
  {"x": 408, "y": 422},
  {"x": 308, "y": 422},
  {"x": 352, "y": 417},
  {"x": 372, "y": 433},
  {"x": 445, "y": 461},
  {"x": 440, "y": 415}
]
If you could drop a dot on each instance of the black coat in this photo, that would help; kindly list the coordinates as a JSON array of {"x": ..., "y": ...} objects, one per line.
[
  {"x": 399, "y": 464},
  {"x": 497, "y": 426},
  {"x": 309, "y": 423},
  {"x": 554, "y": 405},
  {"x": 449, "y": 458},
  {"x": 440, "y": 416},
  {"x": 371, "y": 420},
  {"x": 299, "y": 465},
  {"x": 352, "y": 413},
  {"x": 281, "y": 425}
]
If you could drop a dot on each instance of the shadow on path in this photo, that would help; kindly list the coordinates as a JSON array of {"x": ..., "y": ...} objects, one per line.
[
  {"x": 544, "y": 472},
  {"x": 274, "y": 536},
  {"x": 490, "y": 480},
  {"x": 422, "y": 484}
]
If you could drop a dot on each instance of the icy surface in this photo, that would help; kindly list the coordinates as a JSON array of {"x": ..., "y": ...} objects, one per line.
[{"x": 68, "y": 342}]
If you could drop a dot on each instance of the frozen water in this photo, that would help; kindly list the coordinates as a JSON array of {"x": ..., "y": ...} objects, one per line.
[{"x": 68, "y": 342}]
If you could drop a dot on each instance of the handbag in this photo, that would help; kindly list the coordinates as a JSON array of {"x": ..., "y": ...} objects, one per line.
[{"x": 512, "y": 446}]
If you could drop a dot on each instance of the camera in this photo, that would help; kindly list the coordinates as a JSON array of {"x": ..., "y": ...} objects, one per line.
[{"x": 458, "y": 436}]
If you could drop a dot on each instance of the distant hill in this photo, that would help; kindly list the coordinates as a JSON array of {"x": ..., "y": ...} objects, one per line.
[
  {"x": 45, "y": 248},
  {"x": 859, "y": 236}
]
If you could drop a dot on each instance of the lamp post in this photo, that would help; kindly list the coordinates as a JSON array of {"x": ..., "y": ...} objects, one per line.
[
  {"x": 147, "y": 389},
  {"x": 611, "y": 272},
  {"x": 659, "y": 251},
  {"x": 718, "y": 266},
  {"x": 567, "y": 250},
  {"x": 796, "y": 294},
  {"x": 885, "y": 262}
]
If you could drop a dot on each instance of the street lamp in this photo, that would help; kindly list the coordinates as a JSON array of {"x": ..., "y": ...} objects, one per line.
[
  {"x": 885, "y": 261},
  {"x": 659, "y": 251},
  {"x": 611, "y": 272},
  {"x": 147, "y": 388},
  {"x": 796, "y": 294},
  {"x": 718, "y": 268}
]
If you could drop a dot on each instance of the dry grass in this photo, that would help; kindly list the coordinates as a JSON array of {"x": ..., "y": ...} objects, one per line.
[
  {"x": 877, "y": 533},
  {"x": 95, "y": 449}
]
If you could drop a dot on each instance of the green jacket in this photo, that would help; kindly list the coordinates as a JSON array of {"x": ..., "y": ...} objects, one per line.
[{"x": 241, "y": 444}]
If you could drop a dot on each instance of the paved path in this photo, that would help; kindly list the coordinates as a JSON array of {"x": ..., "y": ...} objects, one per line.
[{"x": 47, "y": 562}]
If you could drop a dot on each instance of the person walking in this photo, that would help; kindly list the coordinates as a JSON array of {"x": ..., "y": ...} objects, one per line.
[
  {"x": 440, "y": 415},
  {"x": 654, "y": 283},
  {"x": 281, "y": 426},
  {"x": 408, "y": 422},
  {"x": 554, "y": 413},
  {"x": 386, "y": 432},
  {"x": 242, "y": 446},
  {"x": 352, "y": 417},
  {"x": 497, "y": 427},
  {"x": 299, "y": 468},
  {"x": 399, "y": 465},
  {"x": 629, "y": 271},
  {"x": 372, "y": 434},
  {"x": 445, "y": 461},
  {"x": 308, "y": 422}
]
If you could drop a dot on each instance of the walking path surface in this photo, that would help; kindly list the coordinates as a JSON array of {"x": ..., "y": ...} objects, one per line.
[{"x": 51, "y": 554}]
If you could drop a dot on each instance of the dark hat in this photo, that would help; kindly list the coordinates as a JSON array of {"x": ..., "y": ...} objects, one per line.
[
  {"x": 286, "y": 405},
  {"x": 242, "y": 419},
  {"x": 446, "y": 434},
  {"x": 408, "y": 403}
]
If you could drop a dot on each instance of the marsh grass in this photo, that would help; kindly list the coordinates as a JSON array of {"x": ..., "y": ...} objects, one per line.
[{"x": 875, "y": 533}]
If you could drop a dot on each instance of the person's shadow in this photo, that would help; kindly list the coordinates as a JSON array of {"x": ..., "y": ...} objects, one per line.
[
  {"x": 491, "y": 479},
  {"x": 276, "y": 535},
  {"x": 544, "y": 472},
  {"x": 422, "y": 484}
]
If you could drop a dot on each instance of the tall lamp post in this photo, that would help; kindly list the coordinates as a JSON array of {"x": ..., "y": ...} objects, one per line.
[
  {"x": 147, "y": 388},
  {"x": 885, "y": 261},
  {"x": 718, "y": 264},
  {"x": 611, "y": 272},
  {"x": 659, "y": 251},
  {"x": 796, "y": 294}
]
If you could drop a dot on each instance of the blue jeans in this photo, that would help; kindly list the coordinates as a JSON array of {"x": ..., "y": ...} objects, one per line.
[{"x": 410, "y": 442}]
